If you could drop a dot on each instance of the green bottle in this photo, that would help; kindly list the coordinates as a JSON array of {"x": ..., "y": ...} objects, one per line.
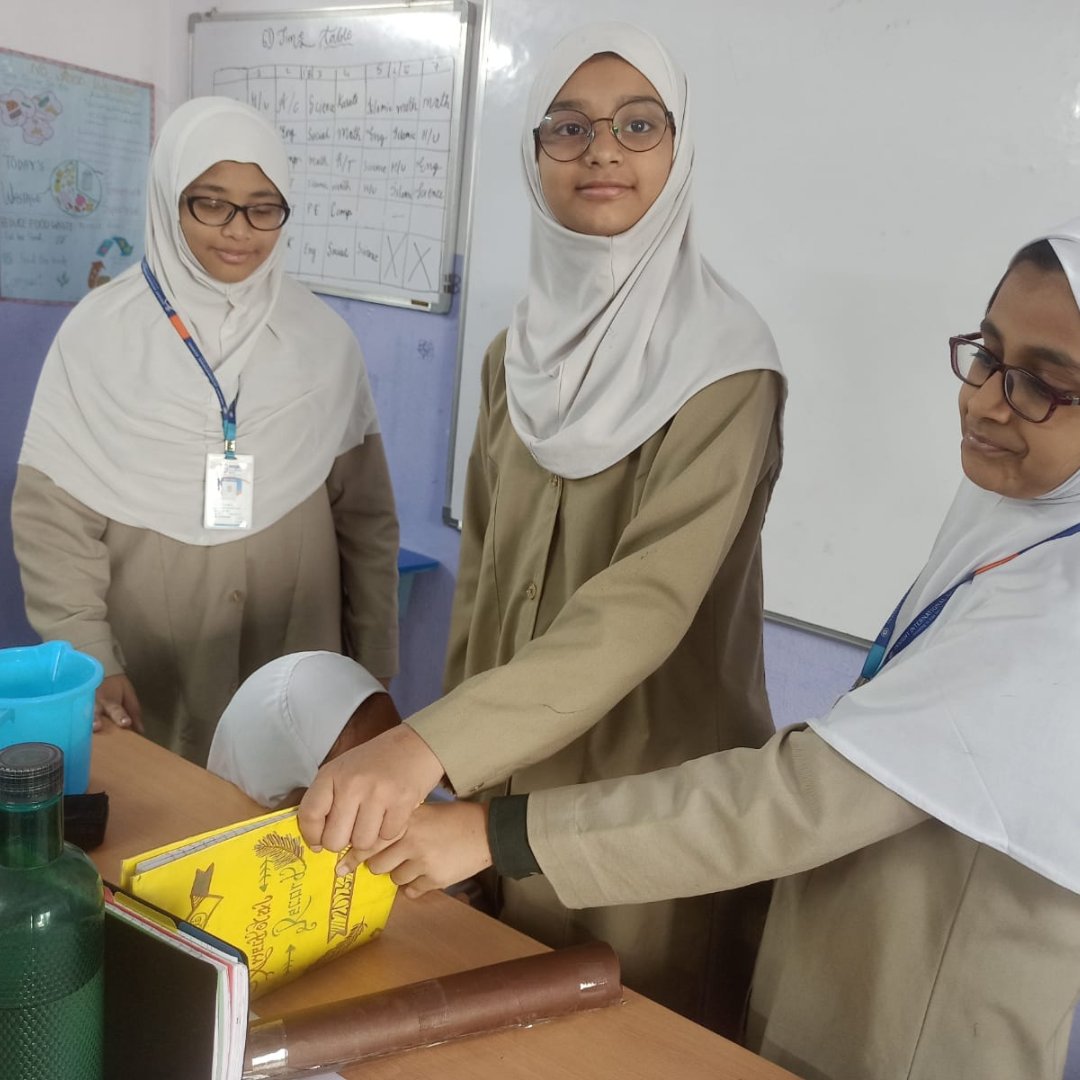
[{"x": 51, "y": 928}]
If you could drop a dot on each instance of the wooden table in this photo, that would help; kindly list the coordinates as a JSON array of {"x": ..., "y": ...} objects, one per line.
[{"x": 156, "y": 797}]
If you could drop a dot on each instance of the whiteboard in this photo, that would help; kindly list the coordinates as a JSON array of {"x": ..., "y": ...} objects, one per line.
[
  {"x": 74, "y": 145},
  {"x": 369, "y": 103},
  {"x": 864, "y": 171}
]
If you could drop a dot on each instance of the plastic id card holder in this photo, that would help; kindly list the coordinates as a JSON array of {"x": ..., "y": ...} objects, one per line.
[{"x": 229, "y": 492}]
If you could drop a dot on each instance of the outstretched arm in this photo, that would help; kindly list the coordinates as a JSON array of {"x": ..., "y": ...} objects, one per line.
[{"x": 716, "y": 823}]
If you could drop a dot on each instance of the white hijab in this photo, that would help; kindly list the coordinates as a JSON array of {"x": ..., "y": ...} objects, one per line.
[
  {"x": 616, "y": 334},
  {"x": 123, "y": 417},
  {"x": 282, "y": 722},
  {"x": 977, "y": 721}
]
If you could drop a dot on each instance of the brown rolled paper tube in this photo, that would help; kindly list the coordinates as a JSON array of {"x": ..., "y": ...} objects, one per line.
[{"x": 511, "y": 994}]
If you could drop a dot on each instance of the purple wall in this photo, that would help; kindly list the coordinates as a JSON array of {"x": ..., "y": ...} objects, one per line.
[
  {"x": 411, "y": 359},
  {"x": 806, "y": 672},
  {"x": 26, "y": 331}
]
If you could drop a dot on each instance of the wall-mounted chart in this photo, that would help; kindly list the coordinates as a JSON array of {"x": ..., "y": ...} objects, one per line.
[{"x": 74, "y": 147}]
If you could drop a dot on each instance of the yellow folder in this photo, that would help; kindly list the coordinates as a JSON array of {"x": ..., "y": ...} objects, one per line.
[{"x": 259, "y": 887}]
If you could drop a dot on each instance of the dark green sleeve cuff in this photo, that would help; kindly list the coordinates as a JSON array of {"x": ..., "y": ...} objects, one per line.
[{"x": 508, "y": 837}]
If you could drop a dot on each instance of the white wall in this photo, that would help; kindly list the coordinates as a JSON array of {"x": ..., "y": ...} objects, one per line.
[{"x": 121, "y": 37}]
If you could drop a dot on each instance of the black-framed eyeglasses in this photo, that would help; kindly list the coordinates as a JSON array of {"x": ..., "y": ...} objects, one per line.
[
  {"x": 565, "y": 134},
  {"x": 266, "y": 217},
  {"x": 1026, "y": 394}
]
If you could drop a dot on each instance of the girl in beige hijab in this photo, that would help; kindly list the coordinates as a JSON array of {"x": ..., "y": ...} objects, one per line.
[
  {"x": 135, "y": 540},
  {"x": 608, "y": 611}
]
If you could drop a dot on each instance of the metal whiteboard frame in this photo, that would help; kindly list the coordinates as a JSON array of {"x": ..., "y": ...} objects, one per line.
[
  {"x": 477, "y": 68},
  {"x": 466, "y": 10}
]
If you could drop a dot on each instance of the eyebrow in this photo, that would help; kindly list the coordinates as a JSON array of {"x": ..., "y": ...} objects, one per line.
[
  {"x": 217, "y": 189},
  {"x": 580, "y": 106},
  {"x": 1036, "y": 352}
]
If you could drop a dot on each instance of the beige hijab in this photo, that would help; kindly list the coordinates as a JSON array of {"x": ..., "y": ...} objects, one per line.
[
  {"x": 616, "y": 334},
  {"x": 123, "y": 417}
]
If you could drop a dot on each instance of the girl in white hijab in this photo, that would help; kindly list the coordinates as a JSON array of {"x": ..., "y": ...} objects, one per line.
[
  {"x": 927, "y": 923},
  {"x": 168, "y": 397},
  {"x": 608, "y": 611}
]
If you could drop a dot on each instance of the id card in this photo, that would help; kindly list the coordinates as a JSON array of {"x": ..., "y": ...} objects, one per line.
[{"x": 229, "y": 492}]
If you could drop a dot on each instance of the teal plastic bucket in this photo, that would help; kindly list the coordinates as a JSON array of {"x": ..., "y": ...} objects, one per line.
[{"x": 47, "y": 695}]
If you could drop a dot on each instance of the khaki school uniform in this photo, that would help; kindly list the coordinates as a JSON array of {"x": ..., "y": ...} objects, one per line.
[
  {"x": 897, "y": 949},
  {"x": 188, "y": 623},
  {"x": 630, "y": 605}
]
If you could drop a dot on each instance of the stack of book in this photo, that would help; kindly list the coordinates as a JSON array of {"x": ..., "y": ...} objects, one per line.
[
  {"x": 176, "y": 998},
  {"x": 200, "y": 926}
]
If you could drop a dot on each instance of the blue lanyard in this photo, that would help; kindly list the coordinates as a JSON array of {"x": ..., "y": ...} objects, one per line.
[
  {"x": 880, "y": 653},
  {"x": 228, "y": 412}
]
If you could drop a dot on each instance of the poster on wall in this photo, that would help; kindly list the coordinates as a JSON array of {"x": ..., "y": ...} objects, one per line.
[{"x": 74, "y": 148}]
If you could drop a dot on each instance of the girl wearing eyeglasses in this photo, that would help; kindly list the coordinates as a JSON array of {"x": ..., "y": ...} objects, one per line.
[
  {"x": 926, "y": 920},
  {"x": 202, "y": 485},
  {"x": 608, "y": 615}
]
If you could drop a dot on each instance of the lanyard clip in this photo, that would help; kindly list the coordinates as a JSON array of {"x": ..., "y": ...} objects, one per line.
[{"x": 229, "y": 427}]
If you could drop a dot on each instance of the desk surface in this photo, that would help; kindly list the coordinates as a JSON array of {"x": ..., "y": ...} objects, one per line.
[{"x": 156, "y": 797}]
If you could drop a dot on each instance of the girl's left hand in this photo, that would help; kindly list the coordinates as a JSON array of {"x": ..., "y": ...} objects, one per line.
[
  {"x": 116, "y": 700},
  {"x": 444, "y": 843}
]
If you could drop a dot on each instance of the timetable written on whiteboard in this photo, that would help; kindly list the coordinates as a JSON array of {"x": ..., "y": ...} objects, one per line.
[{"x": 368, "y": 103}]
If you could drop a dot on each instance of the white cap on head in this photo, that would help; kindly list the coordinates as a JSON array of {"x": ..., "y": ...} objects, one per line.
[{"x": 282, "y": 722}]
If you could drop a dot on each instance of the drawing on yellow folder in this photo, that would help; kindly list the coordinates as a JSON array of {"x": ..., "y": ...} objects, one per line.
[{"x": 258, "y": 886}]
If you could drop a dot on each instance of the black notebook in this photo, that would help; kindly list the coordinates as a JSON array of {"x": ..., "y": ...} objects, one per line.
[{"x": 176, "y": 998}]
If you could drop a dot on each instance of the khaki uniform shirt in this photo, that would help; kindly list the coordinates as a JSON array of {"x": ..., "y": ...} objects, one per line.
[
  {"x": 188, "y": 623},
  {"x": 896, "y": 949},
  {"x": 611, "y": 625}
]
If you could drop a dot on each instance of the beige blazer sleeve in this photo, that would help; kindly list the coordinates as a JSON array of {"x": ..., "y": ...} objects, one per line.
[
  {"x": 621, "y": 624},
  {"x": 365, "y": 521},
  {"x": 64, "y": 566},
  {"x": 476, "y": 513},
  {"x": 712, "y": 824}
]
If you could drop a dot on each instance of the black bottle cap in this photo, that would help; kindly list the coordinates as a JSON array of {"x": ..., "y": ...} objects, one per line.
[{"x": 31, "y": 772}]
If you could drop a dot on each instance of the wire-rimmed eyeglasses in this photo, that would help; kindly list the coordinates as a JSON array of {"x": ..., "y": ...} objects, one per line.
[
  {"x": 566, "y": 134},
  {"x": 1026, "y": 394},
  {"x": 266, "y": 217}
]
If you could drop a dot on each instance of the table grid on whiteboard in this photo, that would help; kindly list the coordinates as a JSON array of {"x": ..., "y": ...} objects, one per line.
[{"x": 369, "y": 150}]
